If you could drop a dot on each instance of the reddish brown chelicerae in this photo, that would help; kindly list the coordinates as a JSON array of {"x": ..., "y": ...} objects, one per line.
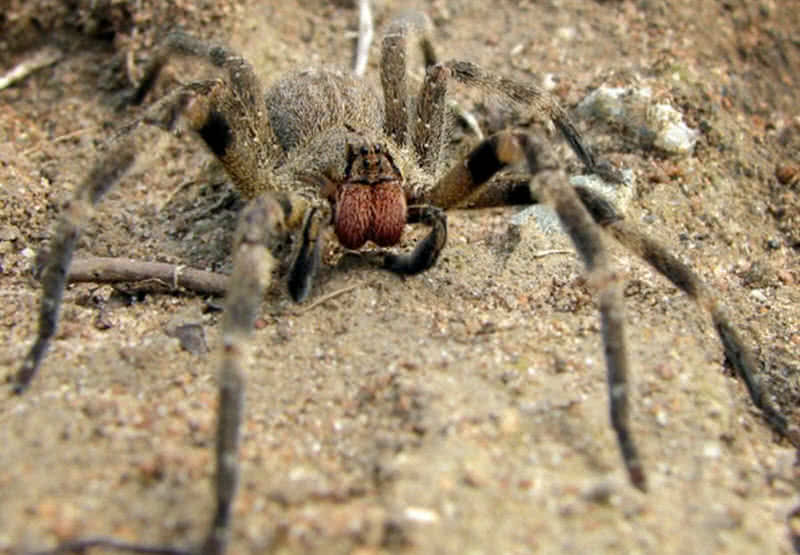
[{"x": 370, "y": 205}]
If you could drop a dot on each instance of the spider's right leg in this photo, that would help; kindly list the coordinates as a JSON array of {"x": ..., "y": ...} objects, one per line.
[
  {"x": 58, "y": 256},
  {"x": 231, "y": 118},
  {"x": 465, "y": 178},
  {"x": 263, "y": 225},
  {"x": 469, "y": 177},
  {"x": 56, "y": 259}
]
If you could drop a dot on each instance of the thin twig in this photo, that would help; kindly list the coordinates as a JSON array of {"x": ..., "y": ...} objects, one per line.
[
  {"x": 326, "y": 298},
  {"x": 130, "y": 58},
  {"x": 79, "y": 546},
  {"x": 43, "y": 58},
  {"x": 542, "y": 254},
  {"x": 61, "y": 139},
  {"x": 113, "y": 270},
  {"x": 365, "y": 33},
  {"x": 13, "y": 293}
]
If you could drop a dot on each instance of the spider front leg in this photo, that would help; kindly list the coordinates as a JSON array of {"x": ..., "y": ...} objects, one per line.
[
  {"x": 58, "y": 256},
  {"x": 464, "y": 181},
  {"x": 262, "y": 230},
  {"x": 262, "y": 227}
]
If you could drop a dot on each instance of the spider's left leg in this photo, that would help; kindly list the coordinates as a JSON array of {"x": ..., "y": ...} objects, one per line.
[
  {"x": 736, "y": 351},
  {"x": 588, "y": 239},
  {"x": 468, "y": 177}
]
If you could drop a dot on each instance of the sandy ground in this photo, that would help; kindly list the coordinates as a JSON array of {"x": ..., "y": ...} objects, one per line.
[{"x": 460, "y": 411}]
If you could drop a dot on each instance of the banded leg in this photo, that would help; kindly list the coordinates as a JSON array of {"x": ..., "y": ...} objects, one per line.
[
  {"x": 196, "y": 100},
  {"x": 58, "y": 256},
  {"x": 394, "y": 70},
  {"x": 736, "y": 351},
  {"x": 588, "y": 239},
  {"x": 463, "y": 180},
  {"x": 230, "y": 116},
  {"x": 540, "y": 101},
  {"x": 262, "y": 230},
  {"x": 262, "y": 227},
  {"x": 467, "y": 183},
  {"x": 469, "y": 178}
]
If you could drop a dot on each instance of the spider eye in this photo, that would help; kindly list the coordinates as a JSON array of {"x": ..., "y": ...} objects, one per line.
[
  {"x": 364, "y": 151},
  {"x": 378, "y": 148}
]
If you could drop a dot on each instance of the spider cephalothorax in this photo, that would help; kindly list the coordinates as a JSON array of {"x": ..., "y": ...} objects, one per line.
[{"x": 321, "y": 148}]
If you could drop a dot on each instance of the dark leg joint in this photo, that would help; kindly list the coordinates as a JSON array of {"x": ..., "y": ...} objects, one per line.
[
  {"x": 603, "y": 212},
  {"x": 483, "y": 162},
  {"x": 304, "y": 267},
  {"x": 216, "y": 132},
  {"x": 520, "y": 194},
  {"x": 145, "y": 85},
  {"x": 427, "y": 251}
]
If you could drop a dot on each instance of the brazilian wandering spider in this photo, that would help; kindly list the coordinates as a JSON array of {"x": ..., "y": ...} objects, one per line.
[{"x": 324, "y": 151}]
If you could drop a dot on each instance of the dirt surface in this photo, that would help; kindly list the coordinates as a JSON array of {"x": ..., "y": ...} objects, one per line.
[{"x": 460, "y": 411}]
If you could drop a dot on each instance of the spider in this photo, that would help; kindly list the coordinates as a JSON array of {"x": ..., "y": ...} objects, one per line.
[{"x": 320, "y": 149}]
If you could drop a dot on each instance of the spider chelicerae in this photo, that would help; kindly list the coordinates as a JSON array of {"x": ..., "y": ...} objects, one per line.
[{"x": 320, "y": 149}]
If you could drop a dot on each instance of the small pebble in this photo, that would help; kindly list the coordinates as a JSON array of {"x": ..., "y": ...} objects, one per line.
[
  {"x": 420, "y": 514},
  {"x": 758, "y": 295}
]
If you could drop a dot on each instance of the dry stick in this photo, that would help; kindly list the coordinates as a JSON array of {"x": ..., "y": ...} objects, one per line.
[
  {"x": 62, "y": 138},
  {"x": 365, "y": 34},
  {"x": 112, "y": 270},
  {"x": 326, "y": 298},
  {"x": 542, "y": 254},
  {"x": 80, "y": 546},
  {"x": 41, "y": 59}
]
